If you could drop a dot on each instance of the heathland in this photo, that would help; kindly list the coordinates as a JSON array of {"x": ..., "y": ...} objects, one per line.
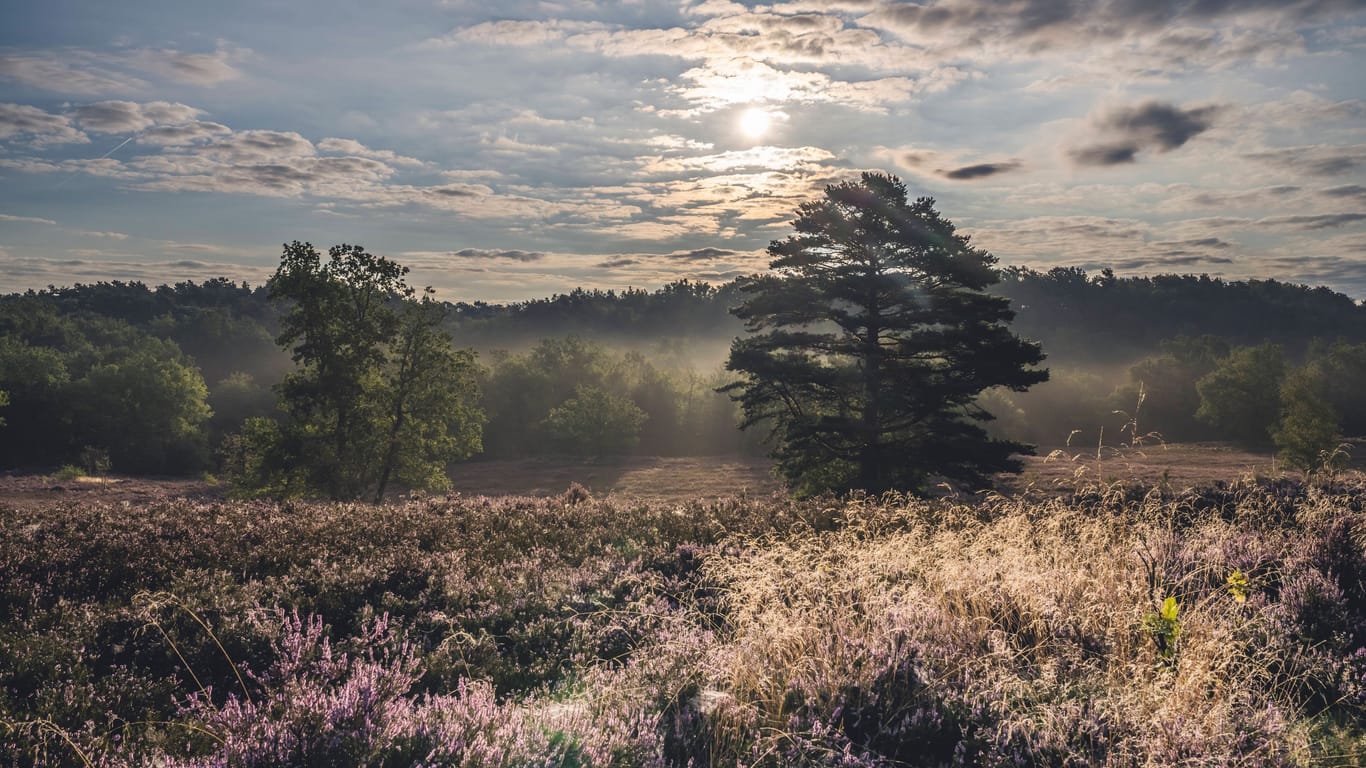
[
  {"x": 1064, "y": 624},
  {"x": 1138, "y": 597}
]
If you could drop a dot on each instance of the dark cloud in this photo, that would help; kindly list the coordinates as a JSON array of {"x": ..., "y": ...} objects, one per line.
[
  {"x": 1162, "y": 262},
  {"x": 454, "y": 191},
  {"x": 1036, "y": 25},
  {"x": 22, "y": 272},
  {"x": 1153, "y": 125},
  {"x": 1316, "y": 160},
  {"x": 1261, "y": 196},
  {"x": 1343, "y": 273},
  {"x": 1200, "y": 242},
  {"x": 915, "y": 159},
  {"x": 111, "y": 117},
  {"x": 614, "y": 263},
  {"x": 703, "y": 253},
  {"x": 1183, "y": 257},
  {"x": 484, "y": 253},
  {"x": 1346, "y": 191},
  {"x": 1177, "y": 258},
  {"x": 1105, "y": 154},
  {"x": 719, "y": 277},
  {"x": 1313, "y": 221},
  {"x": 980, "y": 170}
]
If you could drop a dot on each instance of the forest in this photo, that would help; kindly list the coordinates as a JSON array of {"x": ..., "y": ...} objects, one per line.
[{"x": 161, "y": 380}]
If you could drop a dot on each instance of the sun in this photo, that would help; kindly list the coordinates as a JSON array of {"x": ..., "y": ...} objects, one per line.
[{"x": 755, "y": 122}]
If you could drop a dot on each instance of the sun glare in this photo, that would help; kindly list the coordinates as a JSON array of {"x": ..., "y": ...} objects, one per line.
[{"x": 755, "y": 122}]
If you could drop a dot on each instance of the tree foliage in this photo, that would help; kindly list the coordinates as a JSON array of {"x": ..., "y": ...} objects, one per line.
[
  {"x": 379, "y": 393},
  {"x": 1168, "y": 382},
  {"x": 134, "y": 396},
  {"x": 1241, "y": 397},
  {"x": 146, "y": 405},
  {"x": 1308, "y": 430},
  {"x": 595, "y": 423},
  {"x": 873, "y": 339}
]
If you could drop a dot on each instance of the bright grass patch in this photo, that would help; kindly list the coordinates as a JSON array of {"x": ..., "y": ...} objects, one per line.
[{"x": 1111, "y": 627}]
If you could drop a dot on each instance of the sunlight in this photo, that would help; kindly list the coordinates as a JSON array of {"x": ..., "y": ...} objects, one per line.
[{"x": 755, "y": 122}]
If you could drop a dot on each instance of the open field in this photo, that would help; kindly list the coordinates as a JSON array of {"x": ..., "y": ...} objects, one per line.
[
  {"x": 1092, "y": 625},
  {"x": 680, "y": 479}
]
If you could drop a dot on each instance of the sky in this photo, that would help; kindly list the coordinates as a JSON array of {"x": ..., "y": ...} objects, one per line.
[{"x": 512, "y": 150}]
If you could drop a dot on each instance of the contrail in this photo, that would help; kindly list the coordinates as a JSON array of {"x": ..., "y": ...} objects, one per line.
[
  {"x": 63, "y": 182},
  {"x": 120, "y": 146}
]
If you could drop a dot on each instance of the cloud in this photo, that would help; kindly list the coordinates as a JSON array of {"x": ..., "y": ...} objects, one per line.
[
  {"x": 1314, "y": 159},
  {"x": 980, "y": 170},
  {"x": 763, "y": 158},
  {"x": 130, "y": 117},
  {"x": 1104, "y": 154},
  {"x": 353, "y": 147},
  {"x": 182, "y": 134},
  {"x": 1308, "y": 222},
  {"x": 174, "y": 245},
  {"x": 1171, "y": 31},
  {"x": 65, "y": 71},
  {"x": 25, "y": 219},
  {"x": 84, "y": 72},
  {"x": 1199, "y": 242},
  {"x": 93, "y": 265},
  {"x": 194, "y": 68},
  {"x": 258, "y": 146},
  {"x": 745, "y": 56},
  {"x": 484, "y": 253},
  {"x": 38, "y": 127},
  {"x": 702, "y": 253},
  {"x": 1348, "y": 191},
  {"x": 1126, "y": 131},
  {"x": 950, "y": 165},
  {"x": 1165, "y": 262},
  {"x": 721, "y": 83}
]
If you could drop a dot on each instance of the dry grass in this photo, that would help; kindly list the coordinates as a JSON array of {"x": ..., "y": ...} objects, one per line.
[{"x": 987, "y": 630}]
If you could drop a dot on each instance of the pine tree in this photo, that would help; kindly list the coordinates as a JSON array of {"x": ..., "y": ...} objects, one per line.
[{"x": 873, "y": 338}]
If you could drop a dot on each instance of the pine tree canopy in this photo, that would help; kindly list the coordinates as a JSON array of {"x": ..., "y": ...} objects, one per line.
[{"x": 872, "y": 338}]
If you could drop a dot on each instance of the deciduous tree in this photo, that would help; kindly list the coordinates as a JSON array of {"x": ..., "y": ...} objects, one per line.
[
  {"x": 379, "y": 394},
  {"x": 1241, "y": 397}
]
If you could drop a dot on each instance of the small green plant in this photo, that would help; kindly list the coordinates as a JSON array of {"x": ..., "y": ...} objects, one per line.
[
  {"x": 68, "y": 472},
  {"x": 1165, "y": 628},
  {"x": 1238, "y": 586}
]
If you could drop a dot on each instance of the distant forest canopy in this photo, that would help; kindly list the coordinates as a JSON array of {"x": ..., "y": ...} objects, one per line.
[{"x": 157, "y": 380}]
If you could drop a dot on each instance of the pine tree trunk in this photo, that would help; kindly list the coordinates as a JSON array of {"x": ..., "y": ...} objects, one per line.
[{"x": 870, "y": 455}]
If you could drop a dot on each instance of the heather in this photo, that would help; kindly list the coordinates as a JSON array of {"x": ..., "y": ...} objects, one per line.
[{"x": 1102, "y": 625}]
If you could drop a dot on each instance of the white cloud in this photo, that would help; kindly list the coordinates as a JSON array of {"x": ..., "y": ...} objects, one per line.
[
  {"x": 25, "y": 219},
  {"x": 37, "y": 127},
  {"x": 353, "y": 147},
  {"x": 85, "y": 72},
  {"x": 131, "y": 117}
]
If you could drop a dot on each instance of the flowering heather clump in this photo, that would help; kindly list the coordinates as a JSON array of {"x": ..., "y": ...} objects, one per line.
[{"x": 1108, "y": 627}]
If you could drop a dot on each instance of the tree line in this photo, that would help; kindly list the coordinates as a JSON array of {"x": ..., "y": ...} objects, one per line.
[
  {"x": 882, "y": 349},
  {"x": 1262, "y": 397}
]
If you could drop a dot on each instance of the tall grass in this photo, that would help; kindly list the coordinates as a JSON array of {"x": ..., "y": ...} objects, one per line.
[{"x": 1101, "y": 626}]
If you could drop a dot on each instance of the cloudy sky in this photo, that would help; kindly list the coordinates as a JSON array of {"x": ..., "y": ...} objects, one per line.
[{"x": 510, "y": 150}]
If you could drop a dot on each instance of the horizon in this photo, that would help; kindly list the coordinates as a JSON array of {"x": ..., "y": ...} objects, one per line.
[
  {"x": 513, "y": 155},
  {"x": 153, "y": 286}
]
